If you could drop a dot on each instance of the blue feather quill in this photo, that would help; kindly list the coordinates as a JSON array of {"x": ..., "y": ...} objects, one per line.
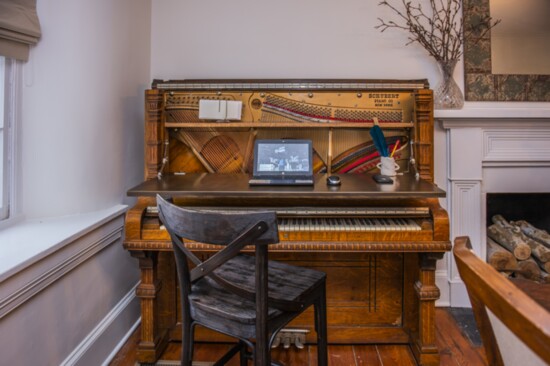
[{"x": 379, "y": 139}]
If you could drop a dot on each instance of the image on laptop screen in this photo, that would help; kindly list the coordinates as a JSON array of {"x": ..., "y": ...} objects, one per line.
[{"x": 282, "y": 158}]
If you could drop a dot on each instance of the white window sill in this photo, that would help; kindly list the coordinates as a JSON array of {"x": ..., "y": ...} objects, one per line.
[{"x": 29, "y": 241}]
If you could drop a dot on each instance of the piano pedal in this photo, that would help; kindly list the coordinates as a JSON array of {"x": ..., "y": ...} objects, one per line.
[{"x": 286, "y": 337}]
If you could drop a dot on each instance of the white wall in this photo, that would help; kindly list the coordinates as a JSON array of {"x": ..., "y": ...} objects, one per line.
[
  {"x": 82, "y": 130},
  {"x": 81, "y": 149},
  {"x": 280, "y": 39}
]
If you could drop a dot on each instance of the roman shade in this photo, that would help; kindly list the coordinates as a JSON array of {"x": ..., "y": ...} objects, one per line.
[{"x": 19, "y": 28}]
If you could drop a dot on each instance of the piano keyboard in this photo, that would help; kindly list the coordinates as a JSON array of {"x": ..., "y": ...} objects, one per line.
[
  {"x": 347, "y": 224},
  {"x": 325, "y": 212},
  {"x": 338, "y": 224}
]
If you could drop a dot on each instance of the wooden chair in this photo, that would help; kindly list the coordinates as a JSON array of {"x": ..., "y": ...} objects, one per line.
[
  {"x": 487, "y": 289},
  {"x": 247, "y": 297}
]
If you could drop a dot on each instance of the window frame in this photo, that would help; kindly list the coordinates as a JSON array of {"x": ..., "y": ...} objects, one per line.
[{"x": 11, "y": 107}]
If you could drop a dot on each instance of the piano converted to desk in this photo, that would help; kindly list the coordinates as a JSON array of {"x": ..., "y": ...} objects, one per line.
[{"x": 378, "y": 244}]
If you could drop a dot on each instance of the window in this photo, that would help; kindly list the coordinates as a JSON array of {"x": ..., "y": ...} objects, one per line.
[
  {"x": 8, "y": 93},
  {"x": 19, "y": 30},
  {"x": 3, "y": 145}
]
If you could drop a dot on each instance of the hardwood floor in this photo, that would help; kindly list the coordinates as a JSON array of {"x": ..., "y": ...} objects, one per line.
[{"x": 455, "y": 350}]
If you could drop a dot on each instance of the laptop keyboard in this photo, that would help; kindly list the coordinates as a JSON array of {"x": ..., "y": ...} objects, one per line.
[{"x": 280, "y": 182}]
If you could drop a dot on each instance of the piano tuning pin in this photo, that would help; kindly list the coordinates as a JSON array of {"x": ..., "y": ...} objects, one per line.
[{"x": 286, "y": 343}]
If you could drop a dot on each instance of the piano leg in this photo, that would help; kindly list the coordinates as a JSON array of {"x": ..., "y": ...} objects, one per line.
[
  {"x": 155, "y": 325},
  {"x": 423, "y": 339}
]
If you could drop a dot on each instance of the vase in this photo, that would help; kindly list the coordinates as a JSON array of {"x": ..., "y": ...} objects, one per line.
[{"x": 447, "y": 94}]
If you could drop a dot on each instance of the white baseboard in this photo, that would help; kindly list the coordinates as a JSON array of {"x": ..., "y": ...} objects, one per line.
[
  {"x": 121, "y": 343},
  {"x": 459, "y": 295},
  {"x": 442, "y": 282},
  {"x": 114, "y": 328}
]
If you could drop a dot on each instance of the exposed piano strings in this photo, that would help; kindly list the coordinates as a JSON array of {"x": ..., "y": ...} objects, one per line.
[{"x": 276, "y": 107}]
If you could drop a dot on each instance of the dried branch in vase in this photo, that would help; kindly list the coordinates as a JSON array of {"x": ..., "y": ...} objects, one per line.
[{"x": 440, "y": 29}]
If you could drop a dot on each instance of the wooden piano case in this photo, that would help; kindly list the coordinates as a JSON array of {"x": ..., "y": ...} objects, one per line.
[{"x": 381, "y": 283}]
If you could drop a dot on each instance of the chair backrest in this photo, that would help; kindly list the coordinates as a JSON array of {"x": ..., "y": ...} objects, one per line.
[
  {"x": 231, "y": 229},
  {"x": 487, "y": 289},
  {"x": 215, "y": 227}
]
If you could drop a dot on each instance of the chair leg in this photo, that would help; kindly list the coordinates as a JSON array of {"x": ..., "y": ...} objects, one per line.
[
  {"x": 187, "y": 343},
  {"x": 191, "y": 342},
  {"x": 262, "y": 353},
  {"x": 321, "y": 328},
  {"x": 243, "y": 355}
]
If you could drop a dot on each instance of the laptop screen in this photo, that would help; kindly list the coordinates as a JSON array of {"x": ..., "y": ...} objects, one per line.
[{"x": 282, "y": 158}]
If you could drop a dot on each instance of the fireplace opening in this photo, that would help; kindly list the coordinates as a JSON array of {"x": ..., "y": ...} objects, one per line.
[
  {"x": 518, "y": 243},
  {"x": 531, "y": 207}
]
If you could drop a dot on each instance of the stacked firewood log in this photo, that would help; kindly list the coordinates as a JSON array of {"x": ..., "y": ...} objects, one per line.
[{"x": 518, "y": 249}]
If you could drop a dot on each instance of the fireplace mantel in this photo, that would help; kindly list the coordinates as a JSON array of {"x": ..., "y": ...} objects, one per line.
[
  {"x": 503, "y": 150},
  {"x": 496, "y": 111}
]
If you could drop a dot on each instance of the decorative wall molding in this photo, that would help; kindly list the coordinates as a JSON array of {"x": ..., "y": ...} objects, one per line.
[
  {"x": 465, "y": 213},
  {"x": 518, "y": 146},
  {"x": 23, "y": 286},
  {"x": 465, "y": 207},
  {"x": 82, "y": 292}
]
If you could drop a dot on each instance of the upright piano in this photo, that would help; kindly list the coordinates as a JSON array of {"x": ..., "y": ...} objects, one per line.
[{"x": 378, "y": 244}]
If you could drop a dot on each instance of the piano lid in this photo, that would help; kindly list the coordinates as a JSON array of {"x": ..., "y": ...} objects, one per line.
[
  {"x": 353, "y": 187},
  {"x": 290, "y": 84}
]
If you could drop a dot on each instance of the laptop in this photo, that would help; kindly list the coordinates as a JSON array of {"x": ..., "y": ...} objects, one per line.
[{"x": 282, "y": 162}]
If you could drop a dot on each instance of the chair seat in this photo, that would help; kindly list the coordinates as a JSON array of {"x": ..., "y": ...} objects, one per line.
[{"x": 286, "y": 282}]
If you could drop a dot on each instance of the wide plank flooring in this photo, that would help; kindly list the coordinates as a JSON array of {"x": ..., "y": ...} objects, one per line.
[{"x": 454, "y": 346}]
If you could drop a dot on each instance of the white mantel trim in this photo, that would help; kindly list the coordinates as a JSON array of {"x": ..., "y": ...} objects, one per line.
[
  {"x": 477, "y": 146},
  {"x": 495, "y": 122},
  {"x": 517, "y": 146},
  {"x": 496, "y": 110}
]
